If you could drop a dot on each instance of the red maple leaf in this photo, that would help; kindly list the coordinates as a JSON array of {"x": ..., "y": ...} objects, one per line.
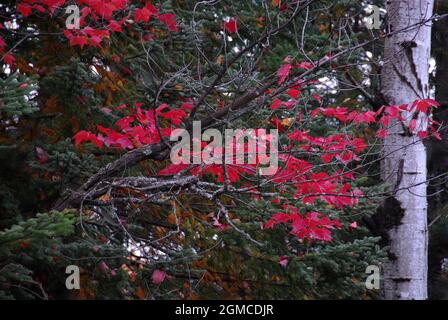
[
  {"x": 9, "y": 59},
  {"x": 424, "y": 105},
  {"x": 293, "y": 93},
  {"x": 231, "y": 25},
  {"x": 175, "y": 116},
  {"x": 169, "y": 19},
  {"x": 283, "y": 73},
  {"x": 276, "y": 104},
  {"x": 115, "y": 26},
  {"x": 304, "y": 65},
  {"x": 173, "y": 169},
  {"x": 142, "y": 14},
  {"x": 85, "y": 136},
  {"x": 24, "y": 10}
]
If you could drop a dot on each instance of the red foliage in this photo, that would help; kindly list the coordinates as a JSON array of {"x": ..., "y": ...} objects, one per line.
[{"x": 230, "y": 26}]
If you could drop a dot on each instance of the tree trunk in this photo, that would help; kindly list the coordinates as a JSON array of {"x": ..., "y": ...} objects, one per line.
[{"x": 404, "y": 79}]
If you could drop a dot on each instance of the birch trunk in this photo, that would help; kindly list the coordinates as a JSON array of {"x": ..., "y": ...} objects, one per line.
[{"x": 404, "y": 79}]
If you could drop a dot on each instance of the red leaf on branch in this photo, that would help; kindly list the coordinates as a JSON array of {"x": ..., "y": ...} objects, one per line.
[
  {"x": 169, "y": 19},
  {"x": 175, "y": 116},
  {"x": 143, "y": 14},
  {"x": 115, "y": 26},
  {"x": 276, "y": 104},
  {"x": 23, "y": 9},
  {"x": 293, "y": 93},
  {"x": 9, "y": 59},
  {"x": 231, "y": 25},
  {"x": 173, "y": 169},
  {"x": 422, "y": 134},
  {"x": 85, "y": 136},
  {"x": 424, "y": 105},
  {"x": 304, "y": 65},
  {"x": 283, "y": 73},
  {"x": 381, "y": 133}
]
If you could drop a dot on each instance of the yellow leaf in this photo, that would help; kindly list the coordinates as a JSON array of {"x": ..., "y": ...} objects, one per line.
[
  {"x": 287, "y": 122},
  {"x": 219, "y": 59}
]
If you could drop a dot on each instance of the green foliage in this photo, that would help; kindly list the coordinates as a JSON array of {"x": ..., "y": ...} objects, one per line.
[
  {"x": 15, "y": 96},
  {"x": 28, "y": 246}
]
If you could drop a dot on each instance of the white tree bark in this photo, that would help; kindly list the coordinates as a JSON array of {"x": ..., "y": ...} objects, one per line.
[{"x": 404, "y": 79}]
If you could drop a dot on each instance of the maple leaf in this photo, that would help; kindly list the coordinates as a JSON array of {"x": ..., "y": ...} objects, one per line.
[
  {"x": 363, "y": 117},
  {"x": 424, "y": 105},
  {"x": 173, "y": 169},
  {"x": 124, "y": 123},
  {"x": 115, "y": 26},
  {"x": 142, "y": 14},
  {"x": 113, "y": 138},
  {"x": 53, "y": 4},
  {"x": 175, "y": 116},
  {"x": 312, "y": 227},
  {"x": 95, "y": 41},
  {"x": 9, "y": 59},
  {"x": 326, "y": 157},
  {"x": 304, "y": 65},
  {"x": 24, "y": 10},
  {"x": 85, "y": 136},
  {"x": 277, "y": 218},
  {"x": 293, "y": 93},
  {"x": 276, "y": 104},
  {"x": 381, "y": 133},
  {"x": 231, "y": 25},
  {"x": 160, "y": 108},
  {"x": 422, "y": 134},
  {"x": 169, "y": 19},
  {"x": 120, "y": 107},
  {"x": 187, "y": 106},
  {"x": 78, "y": 40},
  {"x": 39, "y": 8},
  {"x": 283, "y": 73},
  {"x": 393, "y": 111}
]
